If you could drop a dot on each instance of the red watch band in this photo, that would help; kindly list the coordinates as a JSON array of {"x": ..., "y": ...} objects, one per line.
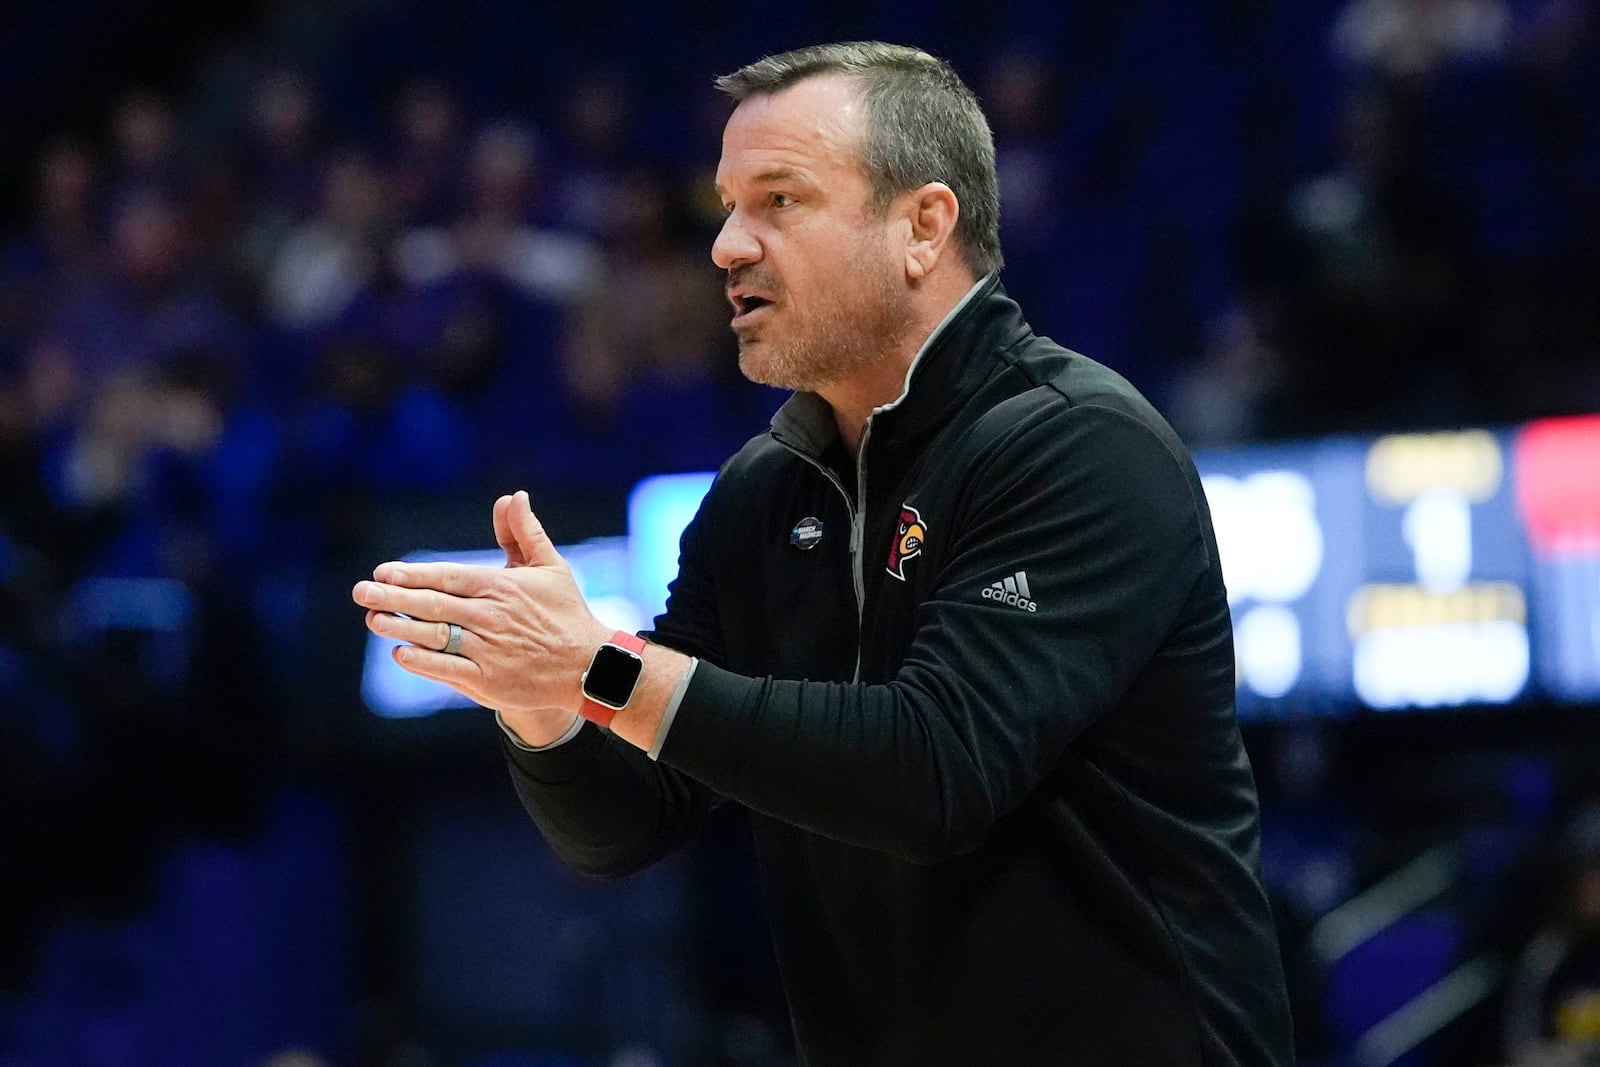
[{"x": 602, "y": 714}]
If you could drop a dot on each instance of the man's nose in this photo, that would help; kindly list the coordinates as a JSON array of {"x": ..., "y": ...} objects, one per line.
[{"x": 735, "y": 245}]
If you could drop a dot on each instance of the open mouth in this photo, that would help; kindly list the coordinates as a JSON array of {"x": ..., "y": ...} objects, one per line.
[{"x": 748, "y": 304}]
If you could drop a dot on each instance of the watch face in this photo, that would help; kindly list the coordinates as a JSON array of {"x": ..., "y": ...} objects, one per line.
[{"x": 612, "y": 675}]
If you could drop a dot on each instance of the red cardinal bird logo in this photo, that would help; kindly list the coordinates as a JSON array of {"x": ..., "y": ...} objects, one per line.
[{"x": 908, "y": 539}]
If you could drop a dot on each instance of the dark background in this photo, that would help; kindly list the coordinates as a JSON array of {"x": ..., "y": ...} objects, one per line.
[{"x": 289, "y": 289}]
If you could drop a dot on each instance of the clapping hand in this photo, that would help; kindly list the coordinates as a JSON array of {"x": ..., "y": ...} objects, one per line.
[{"x": 522, "y": 635}]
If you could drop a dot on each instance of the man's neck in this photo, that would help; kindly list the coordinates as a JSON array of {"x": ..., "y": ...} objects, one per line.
[
  {"x": 853, "y": 402},
  {"x": 884, "y": 380}
]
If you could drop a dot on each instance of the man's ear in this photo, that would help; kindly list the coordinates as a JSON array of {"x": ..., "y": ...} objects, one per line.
[{"x": 932, "y": 212}]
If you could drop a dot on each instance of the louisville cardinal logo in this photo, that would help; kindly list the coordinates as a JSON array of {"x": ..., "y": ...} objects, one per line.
[{"x": 908, "y": 539}]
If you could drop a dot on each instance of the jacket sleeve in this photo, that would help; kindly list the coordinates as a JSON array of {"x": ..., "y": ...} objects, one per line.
[
  {"x": 604, "y": 806},
  {"x": 1103, "y": 517}
]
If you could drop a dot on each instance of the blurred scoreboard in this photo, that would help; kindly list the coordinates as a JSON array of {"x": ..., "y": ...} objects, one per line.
[
  {"x": 1407, "y": 571},
  {"x": 1414, "y": 570}
]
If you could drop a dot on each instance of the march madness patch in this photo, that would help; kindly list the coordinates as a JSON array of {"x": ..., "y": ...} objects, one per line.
[{"x": 908, "y": 540}]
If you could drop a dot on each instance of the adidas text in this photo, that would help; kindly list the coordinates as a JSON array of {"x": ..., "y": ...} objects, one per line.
[{"x": 1013, "y": 592}]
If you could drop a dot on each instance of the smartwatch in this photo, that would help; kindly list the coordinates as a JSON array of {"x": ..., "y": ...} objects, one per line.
[{"x": 612, "y": 676}]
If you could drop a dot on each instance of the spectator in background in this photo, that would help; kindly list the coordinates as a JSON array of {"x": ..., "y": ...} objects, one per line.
[
  {"x": 645, "y": 374},
  {"x": 370, "y": 424},
  {"x": 152, "y": 298},
  {"x": 147, "y": 157},
  {"x": 216, "y": 452},
  {"x": 1377, "y": 294},
  {"x": 89, "y": 370},
  {"x": 428, "y": 154},
  {"x": 328, "y": 260},
  {"x": 596, "y": 151},
  {"x": 497, "y": 287},
  {"x": 102, "y": 465},
  {"x": 495, "y": 235},
  {"x": 280, "y": 168},
  {"x": 1463, "y": 185},
  {"x": 1413, "y": 38},
  {"x": 60, "y": 248},
  {"x": 65, "y": 232},
  {"x": 180, "y": 451},
  {"x": 1518, "y": 138},
  {"x": 1021, "y": 95}
]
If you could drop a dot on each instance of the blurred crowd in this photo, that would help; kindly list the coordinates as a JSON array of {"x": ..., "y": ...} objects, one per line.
[
  {"x": 225, "y": 360},
  {"x": 243, "y": 324}
]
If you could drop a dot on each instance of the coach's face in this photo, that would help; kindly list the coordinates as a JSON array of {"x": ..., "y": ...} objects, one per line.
[{"x": 815, "y": 275}]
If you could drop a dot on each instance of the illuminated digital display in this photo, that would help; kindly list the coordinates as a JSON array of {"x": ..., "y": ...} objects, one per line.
[
  {"x": 1405, "y": 571},
  {"x": 1558, "y": 501},
  {"x": 1441, "y": 616},
  {"x": 1269, "y": 518}
]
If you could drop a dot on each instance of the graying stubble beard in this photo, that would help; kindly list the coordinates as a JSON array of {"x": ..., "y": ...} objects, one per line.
[
  {"x": 831, "y": 352},
  {"x": 838, "y": 345}
]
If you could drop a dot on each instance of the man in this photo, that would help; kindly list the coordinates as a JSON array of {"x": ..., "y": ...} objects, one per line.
[{"x": 953, "y": 630}]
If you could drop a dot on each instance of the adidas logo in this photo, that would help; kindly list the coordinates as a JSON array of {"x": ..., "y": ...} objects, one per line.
[{"x": 1013, "y": 591}]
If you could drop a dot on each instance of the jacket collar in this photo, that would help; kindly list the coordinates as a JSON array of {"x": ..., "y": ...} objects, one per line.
[{"x": 985, "y": 320}]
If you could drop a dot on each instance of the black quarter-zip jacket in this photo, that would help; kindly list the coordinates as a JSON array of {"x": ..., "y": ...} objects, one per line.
[{"x": 984, "y": 725}]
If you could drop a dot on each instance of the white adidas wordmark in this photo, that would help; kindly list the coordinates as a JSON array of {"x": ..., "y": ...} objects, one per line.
[{"x": 1013, "y": 591}]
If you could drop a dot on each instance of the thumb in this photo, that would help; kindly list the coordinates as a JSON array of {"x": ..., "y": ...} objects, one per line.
[
  {"x": 537, "y": 548},
  {"x": 504, "y": 535}
]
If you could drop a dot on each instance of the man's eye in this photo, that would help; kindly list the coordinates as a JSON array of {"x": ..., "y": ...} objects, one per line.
[{"x": 781, "y": 200}]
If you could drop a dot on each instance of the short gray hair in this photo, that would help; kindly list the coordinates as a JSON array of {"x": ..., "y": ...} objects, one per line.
[{"x": 923, "y": 125}]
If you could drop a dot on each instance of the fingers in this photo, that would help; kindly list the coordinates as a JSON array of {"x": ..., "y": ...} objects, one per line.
[
  {"x": 504, "y": 535},
  {"x": 423, "y": 655},
  {"x": 520, "y": 535},
  {"x": 536, "y": 546},
  {"x": 433, "y": 636},
  {"x": 458, "y": 672},
  {"x": 456, "y": 579},
  {"x": 426, "y": 603}
]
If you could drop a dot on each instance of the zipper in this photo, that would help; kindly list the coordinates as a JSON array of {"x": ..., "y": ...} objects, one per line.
[
  {"x": 858, "y": 518},
  {"x": 857, "y": 528},
  {"x": 858, "y": 536}
]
